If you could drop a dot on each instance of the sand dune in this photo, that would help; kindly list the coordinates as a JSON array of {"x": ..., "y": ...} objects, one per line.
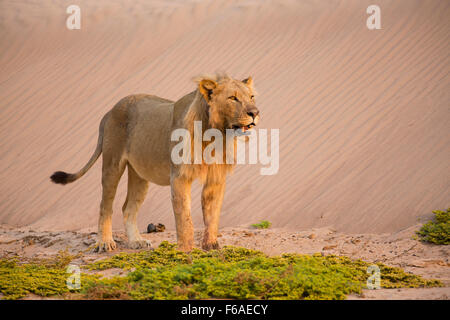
[{"x": 363, "y": 115}]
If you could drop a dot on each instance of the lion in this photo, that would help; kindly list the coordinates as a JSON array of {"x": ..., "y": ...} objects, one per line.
[{"x": 136, "y": 133}]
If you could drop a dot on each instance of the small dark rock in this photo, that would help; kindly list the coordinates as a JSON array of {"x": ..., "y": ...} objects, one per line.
[
  {"x": 158, "y": 228},
  {"x": 88, "y": 242},
  {"x": 151, "y": 228}
]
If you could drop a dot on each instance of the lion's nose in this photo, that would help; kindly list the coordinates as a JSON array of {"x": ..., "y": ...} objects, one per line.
[{"x": 252, "y": 111}]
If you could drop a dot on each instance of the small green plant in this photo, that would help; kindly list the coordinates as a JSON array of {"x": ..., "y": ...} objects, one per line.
[
  {"x": 437, "y": 231},
  {"x": 264, "y": 224}
]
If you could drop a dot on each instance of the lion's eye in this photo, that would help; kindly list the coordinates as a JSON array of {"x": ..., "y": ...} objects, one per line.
[
  {"x": 252, "y": 97},
  {"x": 233, "y": 98}
]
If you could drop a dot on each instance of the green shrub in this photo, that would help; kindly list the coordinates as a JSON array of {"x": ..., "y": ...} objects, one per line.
[
  {"x": 437, "y": 231},
  {"x": 41, "y": 277},
  {"x": 231, "y": 272},
  {"x": 240, "y": 273},
  {"x": 264, "y": 224}
]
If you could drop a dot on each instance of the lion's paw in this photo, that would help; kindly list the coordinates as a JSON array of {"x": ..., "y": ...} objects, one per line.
[
  {"x": 210, "y": 245},
  {"x": 140, "y": 244},
  {"x": 105, "y": 246}
]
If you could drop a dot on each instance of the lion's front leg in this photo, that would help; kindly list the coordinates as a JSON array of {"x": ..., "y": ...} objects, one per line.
[
  {"x": 181, "y": 202},
  {"x": 212, "y": 198}
]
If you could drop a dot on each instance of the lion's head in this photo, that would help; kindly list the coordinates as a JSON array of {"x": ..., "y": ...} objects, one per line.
[
  {"x": 221, "y": 103},
  {"x": 231, "y": 103}
]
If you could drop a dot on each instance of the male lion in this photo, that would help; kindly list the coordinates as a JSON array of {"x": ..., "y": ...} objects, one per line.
[{"x": 136, "y": 133}]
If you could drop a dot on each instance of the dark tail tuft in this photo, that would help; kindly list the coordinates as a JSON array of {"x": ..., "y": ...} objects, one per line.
[{"x": 61, "y": 177}]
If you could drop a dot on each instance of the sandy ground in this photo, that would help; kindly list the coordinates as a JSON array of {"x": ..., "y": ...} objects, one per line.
[
  {"x": 363, "y": 118},
  {"x": 398, "y": 249}
]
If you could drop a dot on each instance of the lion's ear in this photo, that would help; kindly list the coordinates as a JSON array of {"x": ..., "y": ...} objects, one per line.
[
  {"x": 206, "y": 87},
  {"x": 248, "y": 82}
]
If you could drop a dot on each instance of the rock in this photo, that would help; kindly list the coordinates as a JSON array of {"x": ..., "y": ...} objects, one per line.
[
  {"x": 88, "y": 242},
  {"x": 151, "y": 228},
  {"x": 311, "y": 236},
  {"x": 158, "y": 228}
]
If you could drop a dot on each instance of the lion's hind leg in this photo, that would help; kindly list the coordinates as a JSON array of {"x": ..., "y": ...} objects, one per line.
[
  {"x": 111, "y": 173},
  {"x": 137, "y": 190}
]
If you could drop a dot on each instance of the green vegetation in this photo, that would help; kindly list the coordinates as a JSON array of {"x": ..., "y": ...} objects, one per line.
[
  {"x": 41, "y": 277},
  {"x": 232, "y": 272},
  {"x": 239, "y": 273},
  {"x": 264, "y": 224},
  {"x": 437, "y": 231}
]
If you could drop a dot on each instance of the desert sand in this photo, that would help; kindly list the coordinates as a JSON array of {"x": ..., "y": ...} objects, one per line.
[{"x": 363, "y": 114}]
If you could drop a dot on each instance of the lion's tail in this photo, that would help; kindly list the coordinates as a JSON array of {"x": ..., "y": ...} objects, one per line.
[{"x": 65, "y": 178}]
